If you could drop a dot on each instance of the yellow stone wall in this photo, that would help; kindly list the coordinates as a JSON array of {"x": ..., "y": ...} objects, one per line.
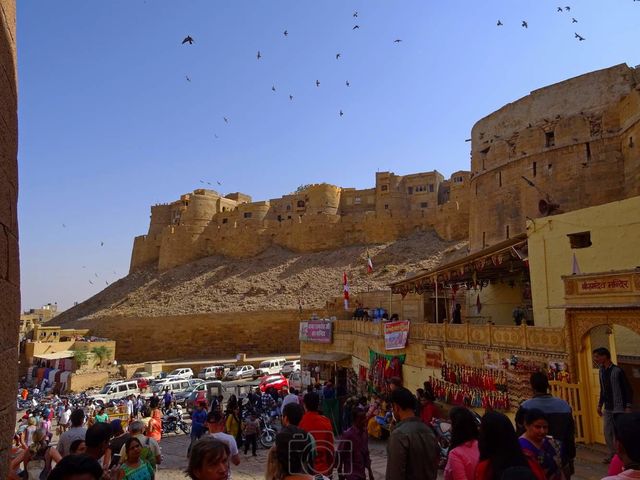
[
  {"x": 576, "y": 140},
  {"x": 615, "y": 236}
]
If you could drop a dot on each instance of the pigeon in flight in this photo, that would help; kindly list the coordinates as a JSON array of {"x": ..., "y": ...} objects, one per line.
[
  {"x": 290, "y": 97},
  {"x": 201, "y": 181},
  {"x": 568, "y": 9},
  {"x": 355, "y": 27},
  {"x": 579, "y": 37},
  {"x": 64, "y": 226},
  {"x": 226, "y": 120},
  {"x": 573, "y": 20},
  {"x": 499, "y": 24},
  {"x": 355, "y": 14},
  {"x": 341, "y": 113},
  {"x": 208, "y": 183},
  {"x": 285, "y": 33},
  {"x": 338, "y": 55},
  {"x": 106, "y": 282},
  {"x": 273, "y": 88},
  {"x": 397, "y": 40},
  {"x": 525, "y": 24},
  {"x": 216, "y": 135},
  {"x": 96, "y": 275},
  {"x": 188, "y": 40},
  {"x": 187, "y": 77},
  {"x": 219, "y": 182},
  {"x": 559, "y": 9},
  {"x": 90, "y": 282},
  {"x": 258, "y": 55},
  {"x": 317, "y": 83},
  {"x": 102, "y": 244},
  {"x": 347, "y": 83}
]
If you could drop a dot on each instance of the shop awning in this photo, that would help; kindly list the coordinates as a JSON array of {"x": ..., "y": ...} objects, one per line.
[
  {"x": 326, "y": 357},
  {"x": 55, "y": 356}
]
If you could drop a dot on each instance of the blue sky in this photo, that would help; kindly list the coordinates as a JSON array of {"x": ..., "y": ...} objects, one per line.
[{"x": 109, "y": 123}]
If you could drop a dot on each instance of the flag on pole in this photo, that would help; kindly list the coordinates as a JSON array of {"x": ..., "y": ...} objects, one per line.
[
  {"x": 369, "y": 263},
  {"x": 345, "y": 288}
]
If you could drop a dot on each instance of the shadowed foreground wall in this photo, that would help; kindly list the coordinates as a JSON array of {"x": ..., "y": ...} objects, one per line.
[
  {"x": 9, "y": 266},
  {"x": 220, "y": 335}
]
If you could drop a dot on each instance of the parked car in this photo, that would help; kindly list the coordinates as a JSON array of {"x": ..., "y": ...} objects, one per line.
[
  {"x": 290, "y": 367},
  {"x": 142, "y": 375},
  {"x": 195, "y": 381},
  {"x": 200, "y": 393},
  {"x": 271, "y": 366},
  {"x": 116, "y": 391},
  {"x": 276, "y": 381},
  {"x": 173, "y": 385},
  {"x": 240, "y": 372},
  {"x": 181, "y": 373},
  {"x": 214, "y": 372}
]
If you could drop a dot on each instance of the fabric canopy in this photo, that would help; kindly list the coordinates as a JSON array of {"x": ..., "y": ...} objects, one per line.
[{"x": 55, "y": 356}]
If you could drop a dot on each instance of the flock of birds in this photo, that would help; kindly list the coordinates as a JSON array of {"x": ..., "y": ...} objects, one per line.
[
  {"x": 525, "y": 24},
  {"x": 188, "y": 40}
]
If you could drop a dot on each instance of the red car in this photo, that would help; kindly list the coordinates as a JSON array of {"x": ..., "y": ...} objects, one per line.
[{"x": 276, "y": 381}]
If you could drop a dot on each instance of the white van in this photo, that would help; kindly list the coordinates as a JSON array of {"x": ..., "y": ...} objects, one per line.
[
  {"x": 271, "y": 366},
  {"x": 174, "y": 385},
  {"x": 116, "y": 391}
]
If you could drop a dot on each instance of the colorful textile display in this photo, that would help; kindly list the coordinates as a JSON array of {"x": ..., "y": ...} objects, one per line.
[
  {"x": 455, "y": 394},
  {"x": 483, "y": 378},
  {"x": 382, "y": 367}
]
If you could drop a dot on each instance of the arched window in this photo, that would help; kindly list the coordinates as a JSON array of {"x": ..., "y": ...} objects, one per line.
[{"x": 300, "y": 203}]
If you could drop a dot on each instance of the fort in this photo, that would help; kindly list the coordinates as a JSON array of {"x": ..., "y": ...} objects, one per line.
[{"x": 314, "y": 218}]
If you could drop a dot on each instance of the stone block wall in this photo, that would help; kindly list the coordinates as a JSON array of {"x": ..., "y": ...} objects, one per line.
[
  {"x": 9, "y": 261},
  {"x": 203, "y": 336}
]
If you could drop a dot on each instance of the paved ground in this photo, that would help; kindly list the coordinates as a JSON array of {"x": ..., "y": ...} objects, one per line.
[{"x": 174, "y": 448}]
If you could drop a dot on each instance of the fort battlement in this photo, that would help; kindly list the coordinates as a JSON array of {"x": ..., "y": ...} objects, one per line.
[{"x": 318, "y": 217}]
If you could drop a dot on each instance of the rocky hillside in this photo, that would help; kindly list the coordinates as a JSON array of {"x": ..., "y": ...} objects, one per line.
[{"x": 275, "y": 279}]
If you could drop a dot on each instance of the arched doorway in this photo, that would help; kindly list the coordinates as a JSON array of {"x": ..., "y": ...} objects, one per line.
[{"x": 624, "y": 344}]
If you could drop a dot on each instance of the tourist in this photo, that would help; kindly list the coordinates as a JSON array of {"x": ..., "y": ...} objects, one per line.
[
  {"x": 151, "y": 452},
  {"x": 328, "y": 392},
  {"x": 215, "y": 425},
  {"x": 38, "y": 457},
  {"x": 274, "y": 470},
  {"x": 130, "y": 406},
  {"x": 616, "y": 395},
  {"x": 209, "y": 460},
  {"x": 76, "y": 467},
  {"x": 78, "y": 447},
  {"x": 101, "y": 416},
  {"x": 198, "y": 420},
  {"x": 428, "y": 409},
  {"x": 76, "y": 432},
  {"x": 518, "y": 315},
  {"x": 154, "y": 427},
  {"x": 500, "y": 449},
  {"x": 29, "y": 431},
  {"x": 627, "y": 433},
  {"x": 321, "y": 430},
  {"x": 353, "y": 450},
  {"x": 412, "y": 451},
  {"x": 232, "y": 421},
  {"x": 291, "y": 397},
  {"x": 251, "y": 433},
  {"x": 394, "y": 383},
  {"x": 292, "y": 415},
  {"x": 266, "y": 402},
  {"x": 456, "y": 317},
  {"x": 134, "y": 468},
  {"x": 293, "y": 456},
  {"x": 559, "y": 415},
  {"x": 64, "y": 418},
  {"x": 97, "y": 440},
  {"x": 120, "y": 437},
  {"x": 536, "y": 445},
  {"x": 463, "y": 450}
]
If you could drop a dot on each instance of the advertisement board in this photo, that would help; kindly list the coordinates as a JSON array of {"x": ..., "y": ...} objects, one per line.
[
  {"x": 316, "y": 331},
  {"x": 396, "y": 334}
]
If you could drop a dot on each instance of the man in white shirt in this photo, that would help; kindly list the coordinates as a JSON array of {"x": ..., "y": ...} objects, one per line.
[
  {"x": 215, "y": 424},
  {"x": 76, "y": 432},
  {"x": 130, "y": 406},
  {"x": 291, "y": 397},
  {"x": 65, "y": 417}
]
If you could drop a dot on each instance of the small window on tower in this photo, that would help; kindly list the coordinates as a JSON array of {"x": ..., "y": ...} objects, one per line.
[
  {"x": 386, "y": 206},
  {"x": 549, "y": 139},
  {"x": 300, "y": 203},
  {"x": 424, "y": 205},
  {"x": 410, "y": 190},
  {"x": 225, "y": 220},
  {"x": 384, "y": 188},
  {"x": 247, "y": 214}
]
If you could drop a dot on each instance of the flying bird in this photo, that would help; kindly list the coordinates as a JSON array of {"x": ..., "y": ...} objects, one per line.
[
  {"x": 273, "y": 88},
  {"x": 216, "y": 135},
  {"x": 102, "y": 244},
  {"x": 573, "y": 20},
  {"x": 208, "y": 183},
  {"x": 258, "y": 55},
  {"x": 201, "y": 181},
  {"x": 290, "y": 97},
  {"x": 341, "y": 113},
  {"x": 226, "y": 120},
  {"x": 96, "y": 275},
  {"x": 579, "y": 37},
  {"x": 355, "y": 27},
  {"x": 219, "y": 182},
  {"x": 285, "y": 33},
  {"x": 187, "y": 77},
  {"x": 188, "y": 40},
  {"x": 347, "y": 83},
  {"x": 317, "y": 83},
  {"x": 90, "y": 282},
  {"x": 525, "y": 24},
  {"x": 559, "y": 9},
  {"x": 64, "y": 226},
  {"x": 338, "y": 55},
  {"x": 355, "y": 14},
  {"x": 106, "y": 282},
  {"x": 397, "y": 40},
  {"x": 499, "y": 24},
  {"x": 568, "y": 9}
]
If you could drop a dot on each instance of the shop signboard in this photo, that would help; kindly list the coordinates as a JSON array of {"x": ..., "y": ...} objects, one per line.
[
  {"x": 316, "y": 331},
  {"x": 396, "y": 334}
]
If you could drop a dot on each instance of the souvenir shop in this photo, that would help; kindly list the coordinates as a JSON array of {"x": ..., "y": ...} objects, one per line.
[
  {"x": 382, "y": 367},
  {"x": 329, "y": 366},
  {"x": 51, "y": 371}
]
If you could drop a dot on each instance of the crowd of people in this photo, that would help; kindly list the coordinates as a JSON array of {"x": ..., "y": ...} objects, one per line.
[{"x": 539, "y": 445}]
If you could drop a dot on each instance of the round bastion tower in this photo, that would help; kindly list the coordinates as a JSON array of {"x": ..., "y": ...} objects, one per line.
[{"x": 322, "y": 199}]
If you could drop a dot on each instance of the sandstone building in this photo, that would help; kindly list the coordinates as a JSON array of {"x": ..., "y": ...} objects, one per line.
[{"x": 319, "y": 217}]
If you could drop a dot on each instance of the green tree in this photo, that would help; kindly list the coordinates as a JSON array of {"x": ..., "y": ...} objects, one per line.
[
  {"x": 102, "y": 353},
  {"x": 81, "y": 357}
]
